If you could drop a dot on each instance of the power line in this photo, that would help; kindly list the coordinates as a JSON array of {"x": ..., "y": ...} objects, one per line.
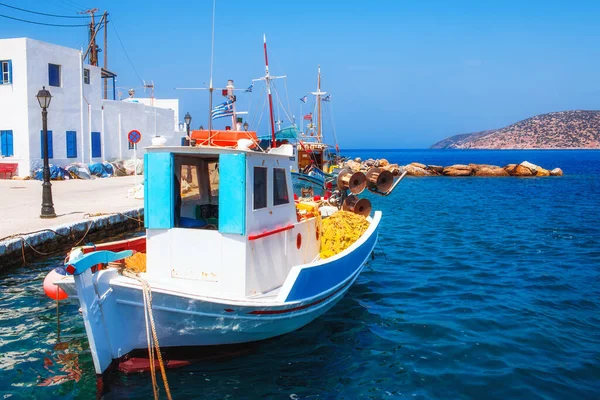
[
  {"x": 70, "y": 7},
  {"x": 126, "y": 54},
  {"x": 42, "y": 23},
  {"x": 40, "y": 13}
]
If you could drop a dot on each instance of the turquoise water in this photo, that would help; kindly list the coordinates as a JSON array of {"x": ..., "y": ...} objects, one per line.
[{"x": 482, "y": 288}]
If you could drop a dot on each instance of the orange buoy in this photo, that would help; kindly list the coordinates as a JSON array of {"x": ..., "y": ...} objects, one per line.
[{"x": 52, "y": 291}]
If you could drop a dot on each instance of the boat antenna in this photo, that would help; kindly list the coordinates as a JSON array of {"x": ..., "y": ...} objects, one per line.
[
  {"x": 210, "y": 84},
  {"x": 268, "y": 82}
]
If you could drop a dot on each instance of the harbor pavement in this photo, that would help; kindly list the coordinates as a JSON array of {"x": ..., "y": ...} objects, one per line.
[{"x": 74, "y": 200}]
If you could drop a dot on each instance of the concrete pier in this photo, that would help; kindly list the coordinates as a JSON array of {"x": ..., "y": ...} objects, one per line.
[{"x": 95, "y": 209}]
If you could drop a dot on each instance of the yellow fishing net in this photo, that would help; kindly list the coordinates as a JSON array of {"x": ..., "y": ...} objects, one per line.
[
  {"x": 340, "y": 231},
  {"x": 136, "y": 263}
]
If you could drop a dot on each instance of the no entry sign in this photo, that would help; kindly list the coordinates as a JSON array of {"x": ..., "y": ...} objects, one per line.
[{"x": 134, "y": 136}]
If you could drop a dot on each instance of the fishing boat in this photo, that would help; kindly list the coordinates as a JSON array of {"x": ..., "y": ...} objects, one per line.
[
  {"x": 315, "y": 159},
  {"x": 252, "y": 273}
]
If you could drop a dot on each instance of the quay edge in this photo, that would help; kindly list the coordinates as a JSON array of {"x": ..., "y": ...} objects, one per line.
[{"x": 50, "y": 243}]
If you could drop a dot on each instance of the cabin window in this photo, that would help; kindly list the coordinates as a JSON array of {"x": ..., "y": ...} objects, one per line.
[
  {"x": 213, "y": 178},
  {"x": 260, "y": 187},
  {"x": 280, "y": 190},
  {"x": 197, "y": 192},
  {"x": 86, "y": 76},
  {"x": 189, "y": 182}
]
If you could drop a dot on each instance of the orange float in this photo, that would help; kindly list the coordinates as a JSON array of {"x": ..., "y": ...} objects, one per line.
[{"x": 52, "y": 291}]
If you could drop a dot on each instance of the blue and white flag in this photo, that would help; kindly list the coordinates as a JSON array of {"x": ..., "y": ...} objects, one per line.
[
  {"x": 303, "y": 99},
  {"x": 327, "y": 98},
  {"x": 249, "y": 90},
  {"x": 223, "y": 110}
]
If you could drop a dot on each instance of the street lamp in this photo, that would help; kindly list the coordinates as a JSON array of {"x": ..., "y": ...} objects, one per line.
[
  {"x": 44, "y": 98},
  {"x": 188, "y": 121}
]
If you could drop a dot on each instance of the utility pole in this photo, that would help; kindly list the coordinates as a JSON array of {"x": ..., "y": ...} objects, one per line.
[
  {"x": 93, "y": 50},
  {"x": 105, "y": 16}
]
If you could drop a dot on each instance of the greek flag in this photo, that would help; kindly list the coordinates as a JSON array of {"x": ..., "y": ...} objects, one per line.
[
  {"x": 303, "y": 99},
  {"x": 223, "y": 110},
  {"x": 249, "y": 90},
  {"x": 327, "y": 98}
]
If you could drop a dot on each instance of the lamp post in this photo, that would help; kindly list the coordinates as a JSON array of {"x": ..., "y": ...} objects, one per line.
[
  {"x": 44, "y": 98},
  {"x": 188, "y": 121}
]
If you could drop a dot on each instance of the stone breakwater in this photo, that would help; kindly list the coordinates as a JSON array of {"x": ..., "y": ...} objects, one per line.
[{"x": 417, "y": 169}]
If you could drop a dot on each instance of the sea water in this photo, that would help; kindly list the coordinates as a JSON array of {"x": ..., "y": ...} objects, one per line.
[{"x": 480, "y": 288}]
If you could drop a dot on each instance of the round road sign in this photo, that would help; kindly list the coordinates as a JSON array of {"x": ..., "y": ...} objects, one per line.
[{"x": 134, "y": 136}]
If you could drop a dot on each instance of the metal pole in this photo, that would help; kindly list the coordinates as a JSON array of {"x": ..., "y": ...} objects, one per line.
[
  {"x": 268, "y": 82},
  {"x": 47, "y": 205},
  {"x": 105, "y": 54}
]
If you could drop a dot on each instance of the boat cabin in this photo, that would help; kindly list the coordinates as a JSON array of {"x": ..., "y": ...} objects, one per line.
[{"x": 223, "y": 221}]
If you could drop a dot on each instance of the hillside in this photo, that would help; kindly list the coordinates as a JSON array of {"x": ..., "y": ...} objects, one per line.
[{"x": 557, "y": 130}]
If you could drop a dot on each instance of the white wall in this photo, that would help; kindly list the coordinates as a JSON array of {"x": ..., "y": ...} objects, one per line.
[
  {"x": 139, "y": 117},
  {"x": 169, "y": 104},
  {"x": 67, "y": 106},
  {"x": 75, "y": 106},
  {"x": 13, "y": 102}
]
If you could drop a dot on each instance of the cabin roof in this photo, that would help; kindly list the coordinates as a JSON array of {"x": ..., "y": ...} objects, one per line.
[{"x": 208, "y": 150}]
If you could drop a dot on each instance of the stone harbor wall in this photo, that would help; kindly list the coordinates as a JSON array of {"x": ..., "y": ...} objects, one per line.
[{"x": 417, "y": 169}]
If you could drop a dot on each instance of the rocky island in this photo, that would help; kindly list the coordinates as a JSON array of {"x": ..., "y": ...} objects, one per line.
[{"x": 578, "y": 129}]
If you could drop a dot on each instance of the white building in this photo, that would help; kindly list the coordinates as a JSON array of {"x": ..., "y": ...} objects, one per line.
[
  {"x": 82, "y": 127},
  {"x": 169, "y": 104}
]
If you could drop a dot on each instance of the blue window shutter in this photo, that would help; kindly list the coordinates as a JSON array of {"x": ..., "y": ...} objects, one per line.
[
  {"x": 71, "y": 144},
  {"x": 96, "y": 145},
  {"x": 232, "y": 193},
  {"x": 159, "y": 192},
  {"x": 50, "y": 151},
  {"x": 10, "y": 78},
  {"x": 6, "y": 142}
]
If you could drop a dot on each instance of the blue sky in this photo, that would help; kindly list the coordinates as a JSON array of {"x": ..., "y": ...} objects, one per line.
[{"x": 403, "y": 74}]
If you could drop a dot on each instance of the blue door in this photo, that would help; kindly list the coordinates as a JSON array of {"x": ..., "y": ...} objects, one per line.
[
  {"x": 96, "y": 145},
  {"x": 50, "y": 151},
  {"x": 6, "y": 142},
  {"x": 71, "y": 144}
]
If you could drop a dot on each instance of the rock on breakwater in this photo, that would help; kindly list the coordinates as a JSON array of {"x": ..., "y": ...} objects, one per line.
[{"x": 484, "y": 170}]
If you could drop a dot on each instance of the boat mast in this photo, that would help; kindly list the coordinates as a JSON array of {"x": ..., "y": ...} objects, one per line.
[
  {"x": 268, "y": 82},
  {"x": 319, "y": 96},
  {"x": 210, "y": 85},
  {"x": 319, "y": 117}
]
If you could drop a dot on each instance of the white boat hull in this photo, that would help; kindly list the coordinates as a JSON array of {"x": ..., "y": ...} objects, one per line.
[{"x": 113, "y": 308}]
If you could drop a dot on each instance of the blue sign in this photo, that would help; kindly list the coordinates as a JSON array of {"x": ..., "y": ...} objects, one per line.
[{"x": 134, "y": 136}]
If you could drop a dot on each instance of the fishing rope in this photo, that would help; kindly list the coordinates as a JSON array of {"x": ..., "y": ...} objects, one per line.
[
  {"x": 150, "y": 347},
  {"x": 153, "y": 344},
  {"x": 24, "y": 242}
]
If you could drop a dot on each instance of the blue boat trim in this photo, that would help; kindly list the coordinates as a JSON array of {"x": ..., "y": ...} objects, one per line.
[
  {"x": 86, "y": 262},
  {"x": 318, "y": 279}
]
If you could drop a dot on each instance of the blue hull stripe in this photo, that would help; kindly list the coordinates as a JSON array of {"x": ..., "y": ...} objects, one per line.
[{"x": 319, "y": 279}]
